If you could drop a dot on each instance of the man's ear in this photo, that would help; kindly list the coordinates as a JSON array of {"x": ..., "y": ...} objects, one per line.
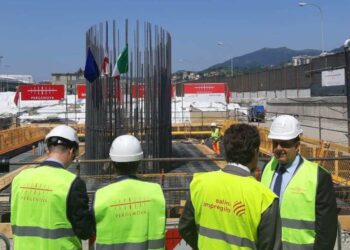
[
  {"x": 71, "y": 150},
  {"x": 297, "y": 146},
  {"x": 257, "y": 153}
]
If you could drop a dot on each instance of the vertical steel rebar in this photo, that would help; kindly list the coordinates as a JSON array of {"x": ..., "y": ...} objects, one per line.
[{"x": 140, "y": 102}]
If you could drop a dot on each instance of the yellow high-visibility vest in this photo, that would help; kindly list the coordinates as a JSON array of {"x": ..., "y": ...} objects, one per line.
[
  {"x": 39, "y": 210},
  {"x": 215, "y": 133},
  {"x": 130, "y": 214},
  {"x": 228, "y": 209},
  {"x": 298, "y": 207}
]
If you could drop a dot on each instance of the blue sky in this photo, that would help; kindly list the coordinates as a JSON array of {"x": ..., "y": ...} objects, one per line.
[{"x": 40, "y": 37}]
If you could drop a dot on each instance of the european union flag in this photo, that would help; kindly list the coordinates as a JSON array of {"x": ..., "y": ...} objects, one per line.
[{"x": 91, "y": 72}]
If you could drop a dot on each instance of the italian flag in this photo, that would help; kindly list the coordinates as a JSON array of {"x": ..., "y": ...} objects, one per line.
[{"x": 122, "y": 64}]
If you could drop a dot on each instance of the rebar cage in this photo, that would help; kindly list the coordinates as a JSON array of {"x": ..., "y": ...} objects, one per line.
[{"x": 138, "y": 103}]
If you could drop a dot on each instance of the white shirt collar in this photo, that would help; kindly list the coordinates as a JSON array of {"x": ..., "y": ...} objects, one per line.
[
  {"x": 55, "y": 160},
  {"x": 292, "y": 166},
  {"x": 239, "y": 166}
]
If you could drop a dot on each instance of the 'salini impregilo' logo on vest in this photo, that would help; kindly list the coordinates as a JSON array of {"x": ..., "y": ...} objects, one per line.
[
  {"x": 239, "y": 208},
  {"x": 224, "y": 206}
]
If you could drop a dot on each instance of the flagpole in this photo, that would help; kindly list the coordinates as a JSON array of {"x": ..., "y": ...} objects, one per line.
[
  {"x": 66, "y": 103},
  {"x": 75, "y": 103},
  {"x": 19, "y": 107}
]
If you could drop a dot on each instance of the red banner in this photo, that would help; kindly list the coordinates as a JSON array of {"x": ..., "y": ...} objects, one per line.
[
  {"x": 172, "y": 90},
  {"x": 16, "y": 98},
  {"x": 36, "y": 92},
  {"x": 204, "y": 88},
  {"x": 227, "y": 94},
  {"x": 119, "y": 93},
  {"x": 141, "y": 91},
  {"x": 81, "y": 91}
]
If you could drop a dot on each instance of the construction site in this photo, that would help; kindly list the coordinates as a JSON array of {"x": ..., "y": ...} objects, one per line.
[{"x": 175, "y": 145}]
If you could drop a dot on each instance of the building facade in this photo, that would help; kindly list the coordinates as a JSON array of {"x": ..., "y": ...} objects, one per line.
[{"x": 70, "y": 80}]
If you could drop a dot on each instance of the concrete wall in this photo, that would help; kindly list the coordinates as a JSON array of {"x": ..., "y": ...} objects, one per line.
[
  {"x": 297, "y": 102},
  {"x": 332, "y": 107},
  {"x": 290, "y": 93},
  {"x": 321, "y": 117}
]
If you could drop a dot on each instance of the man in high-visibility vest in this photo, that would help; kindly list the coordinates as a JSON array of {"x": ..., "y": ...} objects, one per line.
[
  {"x": 49, "y": 205},
  {"x": 229, "y": 208},
  {"x": 307, "y": 199},
  {"x": 215, "y": 138},
  {"x": 129, "y": 213}
]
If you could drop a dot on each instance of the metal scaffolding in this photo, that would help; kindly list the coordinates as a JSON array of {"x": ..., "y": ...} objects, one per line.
[{"x": 138, "y": 103}]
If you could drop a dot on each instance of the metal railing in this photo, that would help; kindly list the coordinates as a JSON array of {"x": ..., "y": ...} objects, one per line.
[{"x": 6, "y": 241}]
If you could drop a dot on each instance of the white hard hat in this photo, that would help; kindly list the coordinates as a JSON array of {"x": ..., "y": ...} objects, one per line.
[
  {"x": 126, "y": 148},
  {"x": 213, "y": 124},
  {"x": 68, "y": 134},
  {"x": 285, "y": 127}
]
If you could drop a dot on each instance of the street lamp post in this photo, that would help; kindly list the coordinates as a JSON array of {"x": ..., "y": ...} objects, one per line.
[
  {"x": 347, "y": 81},
  {"x": 1, "y": 57},
  {"x": 183, "y": 92},
  {"x": 222, "y": 44},
  {"x": 301, "y": 4}
]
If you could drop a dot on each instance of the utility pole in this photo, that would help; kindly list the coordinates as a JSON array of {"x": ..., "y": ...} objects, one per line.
[
  {"x": 347, "y": 82},
  {"x": 222, "y": 44},
  {"x": 322, "y": 22},
  {"x": 7, "y": 77},
  {"x": 1, "y": 57}
]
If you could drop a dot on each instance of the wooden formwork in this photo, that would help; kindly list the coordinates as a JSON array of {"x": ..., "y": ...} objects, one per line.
[{"x": 15, "y": 138}]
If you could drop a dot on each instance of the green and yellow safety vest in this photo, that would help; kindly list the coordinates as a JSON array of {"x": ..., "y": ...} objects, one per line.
[
  {"x": 39, "y": 209},
  {"x": 298, "y": 207},
  {"x": 130, "y": 214},
  {"x": 215, "y": 134},
  {"x": 228, "y": 209}
]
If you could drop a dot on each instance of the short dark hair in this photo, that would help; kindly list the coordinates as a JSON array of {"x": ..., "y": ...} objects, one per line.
[
  {"x": 240, "y": 143},
  {"x": 126, "y": 168}
]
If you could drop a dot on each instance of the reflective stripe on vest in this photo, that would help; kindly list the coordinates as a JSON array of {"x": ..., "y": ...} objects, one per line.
[
  {"x": 150, "y": 244},
  {"x": 298, "y": 224},
  {"x": 294, "y": 246},
  {"x": 39, "y": 209},
  {"x": 230, "y": 239},
  {"x": 298, "y": 207},
  {"x": 42, "y": 232},
  {"x": 218, "y": 207},
  {"x": 130, "y": 214}
]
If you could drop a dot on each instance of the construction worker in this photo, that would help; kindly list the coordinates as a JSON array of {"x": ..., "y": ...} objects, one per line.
[
  {"x": 215, "y": 138},
  {"x": 307, "y": 199},
  {"x": 49, "y": 204},
  {"x": 229, "y": 208},
  {"x": 129, "y": 213}
]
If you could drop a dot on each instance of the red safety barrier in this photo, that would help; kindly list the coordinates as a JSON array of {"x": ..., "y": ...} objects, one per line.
[{"x": 172, "y": 238}]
